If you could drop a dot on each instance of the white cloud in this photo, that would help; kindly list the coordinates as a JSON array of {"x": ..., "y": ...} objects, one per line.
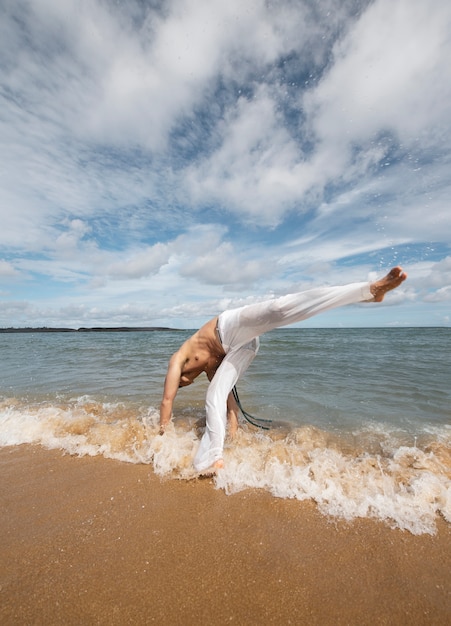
[
  {"x": 434, "y": 276},
  {"x": 389, "y": 73},
  {"x": 441, "y": 295},
  {"x": 180, "y": 149},
  {"x": 137, "y": 82},
  {"x": 67, "y": 242},
  {"x": 223, "y": 266},
  {"x": 252, "y": 171},
  {"x": 7, "y": 270},
  {"x": 143, "y": 263}
]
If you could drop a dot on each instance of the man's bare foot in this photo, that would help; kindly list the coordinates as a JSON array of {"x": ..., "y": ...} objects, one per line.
[
  {"x": 213, "y": 470},
  {"x": 219, "y": 464},
  {"x": 392, "y": 280}
]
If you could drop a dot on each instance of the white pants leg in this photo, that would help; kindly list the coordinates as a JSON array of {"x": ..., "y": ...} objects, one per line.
[
  {"x": 234, "y": 364},
  {"x": 239, "y": 329}
]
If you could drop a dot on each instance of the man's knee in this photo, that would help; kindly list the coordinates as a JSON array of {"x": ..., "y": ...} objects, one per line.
[{"x": 261, "y": 315}]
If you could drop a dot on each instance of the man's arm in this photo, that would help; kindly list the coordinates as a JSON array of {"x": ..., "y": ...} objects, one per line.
[{"x": 171, "y": 386}]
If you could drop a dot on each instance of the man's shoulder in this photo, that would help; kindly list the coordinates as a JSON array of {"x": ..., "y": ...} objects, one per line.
[
  {"x": 208, "y": 330},
  {"x": 185, "y": 350}
]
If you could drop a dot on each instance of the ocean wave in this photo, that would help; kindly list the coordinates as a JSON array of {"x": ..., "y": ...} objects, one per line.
[{"x": 375, "y": 473}]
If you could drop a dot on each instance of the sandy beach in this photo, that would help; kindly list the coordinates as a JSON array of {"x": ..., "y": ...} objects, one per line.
[{"x": 94, "y": 541}]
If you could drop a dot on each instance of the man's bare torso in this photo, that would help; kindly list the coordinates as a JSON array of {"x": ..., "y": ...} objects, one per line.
[{"x": 202, "y": 352}]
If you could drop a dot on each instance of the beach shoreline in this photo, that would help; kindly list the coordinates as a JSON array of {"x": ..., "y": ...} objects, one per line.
[{"x": 96, "y": 541}]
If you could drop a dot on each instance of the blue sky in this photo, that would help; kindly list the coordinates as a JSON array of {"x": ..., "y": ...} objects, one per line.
[{"x": 162, "y": 161}]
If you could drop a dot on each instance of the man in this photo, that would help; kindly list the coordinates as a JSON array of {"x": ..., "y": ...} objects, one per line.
[{"x": 226, "y": 345}]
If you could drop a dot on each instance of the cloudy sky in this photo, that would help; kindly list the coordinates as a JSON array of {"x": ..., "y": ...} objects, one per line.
[{"x": 162, "y": 160}]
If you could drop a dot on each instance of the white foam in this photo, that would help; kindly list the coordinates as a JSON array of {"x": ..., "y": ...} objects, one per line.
[
  {"x": 407, "y": 486},
  {"x": 83, "y": 428},
  {"x": 409, "y": 489}
]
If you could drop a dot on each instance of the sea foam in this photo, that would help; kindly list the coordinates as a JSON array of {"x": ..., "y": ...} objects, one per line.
[{"x": 408, "y": 486}]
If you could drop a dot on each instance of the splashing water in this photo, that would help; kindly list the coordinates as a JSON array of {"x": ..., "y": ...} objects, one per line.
[{"x": 370, "y": 475}]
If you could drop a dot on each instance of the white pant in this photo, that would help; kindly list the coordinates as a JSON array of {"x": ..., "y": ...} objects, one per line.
[{"x": 239, "y": 330}]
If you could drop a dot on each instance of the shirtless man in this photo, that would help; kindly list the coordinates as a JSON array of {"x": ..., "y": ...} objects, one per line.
[{"x": 226, "y": 345}]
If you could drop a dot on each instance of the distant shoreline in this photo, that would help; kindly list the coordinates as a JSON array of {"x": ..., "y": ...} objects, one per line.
[
  {"x": 99, "y": 329},
  {"x": 125, "y": 329}
]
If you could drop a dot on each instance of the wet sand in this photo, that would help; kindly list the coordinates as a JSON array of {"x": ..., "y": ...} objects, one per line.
[{"x": 94, "y": 541}]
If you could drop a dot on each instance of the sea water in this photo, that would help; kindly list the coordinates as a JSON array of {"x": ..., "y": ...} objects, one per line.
[{"x": 357, "y": 420}]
